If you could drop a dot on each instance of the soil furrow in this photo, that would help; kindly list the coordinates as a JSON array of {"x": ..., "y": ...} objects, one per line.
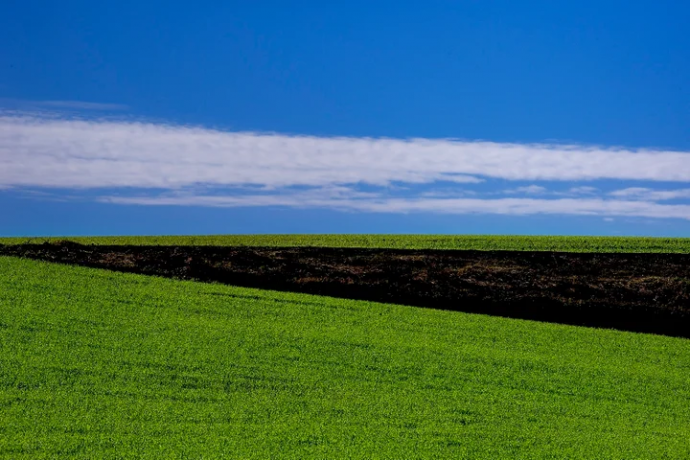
[{"x": 635, "y": 292}]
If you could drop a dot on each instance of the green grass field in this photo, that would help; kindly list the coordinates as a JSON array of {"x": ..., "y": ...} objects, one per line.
[
  {"x": 95, "y": 364},
  {"x": 480, "y": 242}
]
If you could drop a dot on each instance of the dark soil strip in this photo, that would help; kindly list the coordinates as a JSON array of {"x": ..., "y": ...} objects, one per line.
[{"x": 635, "y": 292}]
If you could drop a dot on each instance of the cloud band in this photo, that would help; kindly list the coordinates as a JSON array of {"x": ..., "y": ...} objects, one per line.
[
  {"x": 91, "y": 154},
  {"x": 309, "y": 171}
]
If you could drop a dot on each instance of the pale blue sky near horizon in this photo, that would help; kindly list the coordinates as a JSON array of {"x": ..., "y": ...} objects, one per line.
[{"x": 492, "y": 117}]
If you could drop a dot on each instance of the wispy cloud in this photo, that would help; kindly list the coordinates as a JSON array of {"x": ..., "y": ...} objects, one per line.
[
  {"x": 460, "y": 178},
  {"x": 529, "y": 190},
  {"x": 66, "y": 105},
  {"x": 506, "y": 206},
  {"x": 365, "y": 174},
  {"x": 648, "y": 194},
  {"x": 583, "y": 190},
  {"x": 81, "y": 105}
]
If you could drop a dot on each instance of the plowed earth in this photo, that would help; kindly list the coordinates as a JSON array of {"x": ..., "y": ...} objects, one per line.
[{"x": 635, "y": 292}]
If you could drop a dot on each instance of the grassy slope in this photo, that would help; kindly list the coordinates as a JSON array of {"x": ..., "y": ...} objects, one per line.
[
  {"x": 481, "y": 242},
  {"x": 95, "y": 364}
]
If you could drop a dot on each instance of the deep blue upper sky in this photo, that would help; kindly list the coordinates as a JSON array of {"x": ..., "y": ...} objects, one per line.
[{"x": 604, "y": 73}]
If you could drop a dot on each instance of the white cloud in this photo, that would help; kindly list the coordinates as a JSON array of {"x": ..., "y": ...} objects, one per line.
[
  {"x": 50, "y": 152},
  {"x": 505, "y": 206},
  {"x": 529, "y": 190},
  {"x": 648, "y": 194},
  {"x": 460, "y": 178},
  {"x": 447, "y": 193},
  {"x": 583, "y": 190},
  {"x": 205, "y": 167}
]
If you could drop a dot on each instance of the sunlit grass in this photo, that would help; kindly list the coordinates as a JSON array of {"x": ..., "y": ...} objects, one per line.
[{"x": 95, "y": 364}]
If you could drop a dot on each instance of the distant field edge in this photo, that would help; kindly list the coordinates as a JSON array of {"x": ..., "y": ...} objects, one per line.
[{"x": 601, "y": 244}]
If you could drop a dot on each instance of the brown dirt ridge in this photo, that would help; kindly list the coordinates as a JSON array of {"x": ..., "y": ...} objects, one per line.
[{"x": 633, "y": 292}]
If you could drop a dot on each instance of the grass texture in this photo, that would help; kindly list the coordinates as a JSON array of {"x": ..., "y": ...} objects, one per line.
[
  {"x": 96, "y": 364},
  {"x": 477, "y": 242}
]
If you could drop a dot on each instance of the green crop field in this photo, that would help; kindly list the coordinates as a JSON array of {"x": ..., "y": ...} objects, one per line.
[
  {"x": 96, "y": 364},
  {"x": 479, "y": 242}
]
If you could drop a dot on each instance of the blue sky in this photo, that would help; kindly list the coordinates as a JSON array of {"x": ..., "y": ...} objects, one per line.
[{"x": 494, "y": 117}]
